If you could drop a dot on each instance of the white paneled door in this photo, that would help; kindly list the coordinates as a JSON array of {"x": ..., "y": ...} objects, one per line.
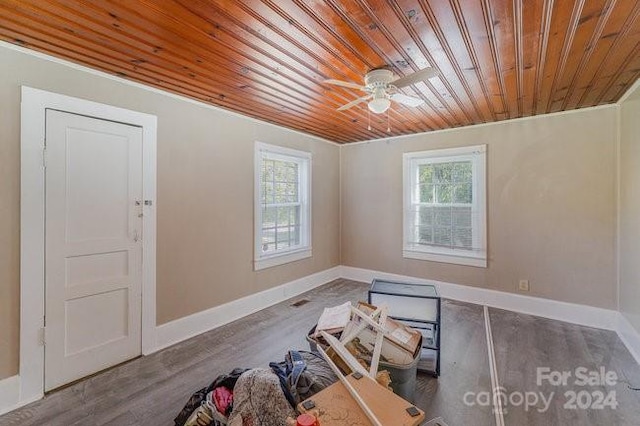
[{"x": 93, "y": 247}]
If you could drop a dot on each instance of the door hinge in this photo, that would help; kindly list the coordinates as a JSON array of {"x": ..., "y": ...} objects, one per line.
[
  {"x": 42, "y": 336},
  {"x": 44, "y": 157}
]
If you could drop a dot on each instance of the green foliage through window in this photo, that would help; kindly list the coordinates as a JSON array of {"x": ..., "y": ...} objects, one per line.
[
  {"x": 281, "y": 204},
  {"x": 443, "y": 215},
  {"x": 444, "y": 183}
]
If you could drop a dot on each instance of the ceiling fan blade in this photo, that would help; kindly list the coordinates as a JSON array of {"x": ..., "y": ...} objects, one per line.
[
  {"x": 355, "y": 102},
  {"x": 416, "y": 77},
  {"x": 345, "y": 84},
  {"x": 406, "y": 100}
]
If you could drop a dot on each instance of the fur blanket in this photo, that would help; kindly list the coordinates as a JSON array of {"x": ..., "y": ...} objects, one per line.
[{"x": 259, "y": 400}]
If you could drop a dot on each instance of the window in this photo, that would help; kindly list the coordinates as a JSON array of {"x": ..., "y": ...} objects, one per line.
[
  {"x": 445, "y": 206},
  {"x": 282, "y": 205}
]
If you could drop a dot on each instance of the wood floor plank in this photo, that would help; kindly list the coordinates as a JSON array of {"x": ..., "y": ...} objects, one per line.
[
  {"x": 524, "y": 343},
  {"x": 152, "y": 389},
  {"x": 465, "y": 368}
]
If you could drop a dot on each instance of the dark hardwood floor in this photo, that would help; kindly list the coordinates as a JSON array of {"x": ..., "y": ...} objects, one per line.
[
  {"x": 524, "y": 343},
  {"x": 151, "y": 390}
]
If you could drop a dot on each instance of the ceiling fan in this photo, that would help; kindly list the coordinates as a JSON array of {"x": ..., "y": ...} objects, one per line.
[{"x": 381, "y": 86}]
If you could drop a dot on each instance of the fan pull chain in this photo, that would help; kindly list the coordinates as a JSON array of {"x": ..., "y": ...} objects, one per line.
[{"x": 369, "y": 118}]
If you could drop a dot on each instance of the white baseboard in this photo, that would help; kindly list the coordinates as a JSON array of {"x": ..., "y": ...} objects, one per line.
[
  {"x": 629, "y": 336},
  {"x": 200, "y": 322},
  {"x": 184, "y": 328},
  {"x": 589, "y": 316},
  {"x": 562, "y": 311},
  {"x": 187, "y": 327},
  {"x": 9, "y": 394}
]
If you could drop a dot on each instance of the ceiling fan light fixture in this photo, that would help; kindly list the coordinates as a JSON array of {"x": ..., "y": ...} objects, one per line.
[
  {"x": 379, "y": 105},
  {"x": 381, "y": 86}
]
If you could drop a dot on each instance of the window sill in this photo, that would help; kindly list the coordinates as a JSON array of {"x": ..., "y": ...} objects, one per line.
[
  {"x": 456, "y": 258},
  {"x": 281, "y": 259}
]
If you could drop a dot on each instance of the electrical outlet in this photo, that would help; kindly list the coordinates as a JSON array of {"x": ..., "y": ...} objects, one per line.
[{"x": 523, "y": 285}]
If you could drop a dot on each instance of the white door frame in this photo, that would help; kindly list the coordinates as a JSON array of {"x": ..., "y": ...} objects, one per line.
[{"x": 35, "y": 102}]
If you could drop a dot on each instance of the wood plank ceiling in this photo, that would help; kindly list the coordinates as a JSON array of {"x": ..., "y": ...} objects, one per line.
[{"x": 497, "y": 59}]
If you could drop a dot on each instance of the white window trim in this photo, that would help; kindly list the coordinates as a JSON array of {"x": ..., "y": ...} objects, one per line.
[
  {"x": 477, "y": 258},
  {"x": 263, "y": 261}
]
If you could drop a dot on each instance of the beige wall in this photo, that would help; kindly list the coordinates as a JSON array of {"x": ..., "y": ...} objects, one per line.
[
  {"x": 551, "y": 201},
  {"x": 551, "y": 206},
  {"x": 205, "y": 195},
  {"x": 630, "y": 209}
]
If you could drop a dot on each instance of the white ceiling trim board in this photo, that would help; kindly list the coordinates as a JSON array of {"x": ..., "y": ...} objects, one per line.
[{"x": 628, "y": 93}]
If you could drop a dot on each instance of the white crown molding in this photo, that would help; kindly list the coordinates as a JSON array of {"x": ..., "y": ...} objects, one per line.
[
  {"x": 629, "y": 91},
  {"x": 132, "y": 83},
  {"x": 479, "y": 125}
]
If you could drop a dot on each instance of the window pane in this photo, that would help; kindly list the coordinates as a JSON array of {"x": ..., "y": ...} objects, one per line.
[
  {"x": 269, "y": 235},
  {"x": 461, "y": 217},
  {"x": 442, "y": 236},
  {"x": 287, "y": 236},
  {"x": 292, "y": 192},
  {"x": 267, "y": 170},
  {"x": 463, "y": 238},
  {"x": 268, "y": 239},
  {"x": 425, "y": 217},
  {"x": 268, "y": 217},
  {"x": 281, "y": 193},
  {"x": 282, "y": 238},
  {"x": 444, "y": 172},
  {"x": 425, "y": 173},
  {"x": 287, "y": 231},
  {"x": 425, "y": 235},
  {"x": 295, "y": 215},
  {"x": 282, "y": 199},
  {"x": 280, "y": 172},
  {"x": 280, "y": 182},
  {"x": 295, "y": 235},
  {"x": 292, "y": 172},
  {"x": 442, "y": 208},
  {"x": 444, "y": 193},
  {"x": 462, "y": 193},
  {"x": 463, "y": 172},
  {"x": 426, "y": 193},
  {"x": 280, "y": 227},
  {"x": 267, "y": 193},
  {"x": 289, "y": 215},
  {"x": 442, "y": 216},
  {"x": 283, "y": 216}
]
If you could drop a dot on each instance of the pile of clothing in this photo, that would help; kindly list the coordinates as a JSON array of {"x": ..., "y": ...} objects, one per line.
[{"x": 258, "y": 396}]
